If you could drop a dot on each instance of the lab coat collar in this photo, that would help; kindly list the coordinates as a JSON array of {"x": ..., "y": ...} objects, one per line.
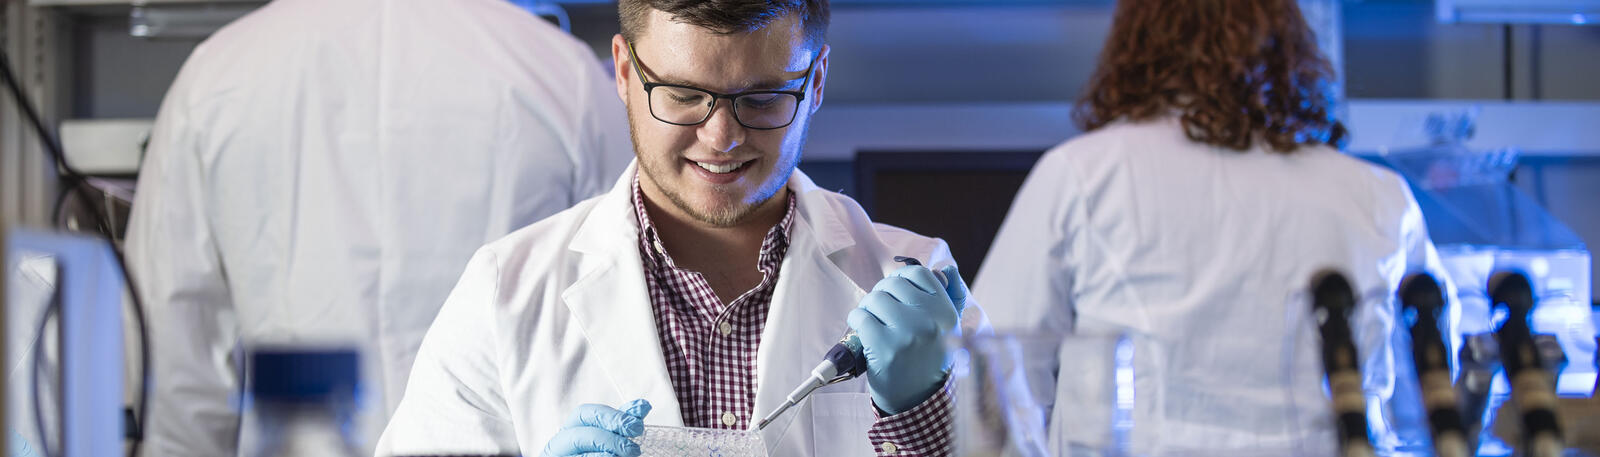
[
  {"x": 610, "y": 300},
  {"x": 612, "y": 304},
  {"x": 831, "y": 233}
]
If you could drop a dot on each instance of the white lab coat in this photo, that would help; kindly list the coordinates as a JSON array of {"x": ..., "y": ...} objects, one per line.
[
  {"x": 557, "y": 315},
  {"x": 1205, "y": 255},
  {"x": 321, "y": 171}
]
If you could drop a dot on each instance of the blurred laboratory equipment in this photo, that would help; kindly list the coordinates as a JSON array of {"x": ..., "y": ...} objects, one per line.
[
  {"x": 1506, "y": 389},
  {"x": 86, "y": 297},
  {"x": 1583, "y": 417},
  {"x": 1029, "y": 395},
  {"x": 549, "y": 10},
  {"x": 1480, "y": 222},
  {"x": 1033, "y": 394},
  {"x": 663, "y": 441},
  {"x": 305, "y": 402},
  {"x": 1480, "y": 361},
  {"x": 183, "y": 20},
  {"x": 63, "y": 387},
  {"x": 1333, "y": 299},
  {"x": 106, "y": 152},
  {"x": 1005, "y": 391},
  {"x": 1532, "y": 389},
  {"x": 1423, "y": 301}
]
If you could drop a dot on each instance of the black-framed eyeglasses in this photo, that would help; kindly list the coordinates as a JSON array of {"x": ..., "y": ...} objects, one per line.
[{"x": 686, "y": 105}]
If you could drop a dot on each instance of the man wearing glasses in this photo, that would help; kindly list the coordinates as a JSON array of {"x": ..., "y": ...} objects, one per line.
[{"x": 705, "y": 286}]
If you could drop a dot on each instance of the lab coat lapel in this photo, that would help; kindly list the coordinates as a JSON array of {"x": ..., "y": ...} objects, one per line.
[
  {"x": 612, "y": 305},
  {"x": 809, "y": 306}
]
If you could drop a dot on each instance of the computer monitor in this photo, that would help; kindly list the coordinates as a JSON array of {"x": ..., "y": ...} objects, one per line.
[
  {"x": 959, "y": 196},
  {"x": 81, "y": 410}
]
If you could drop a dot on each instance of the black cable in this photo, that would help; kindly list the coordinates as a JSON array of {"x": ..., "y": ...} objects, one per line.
[
  {"x": 61, "y": 199},
  {"x": 70, "y": 175}
]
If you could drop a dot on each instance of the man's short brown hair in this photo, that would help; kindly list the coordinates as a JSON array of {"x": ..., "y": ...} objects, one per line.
[{"x": 726, "y": 16}]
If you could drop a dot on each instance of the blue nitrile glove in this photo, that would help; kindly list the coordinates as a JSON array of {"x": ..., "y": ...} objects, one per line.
[
  {"x": 600, "y": 430},
  {"x": 902, "y": 324}
]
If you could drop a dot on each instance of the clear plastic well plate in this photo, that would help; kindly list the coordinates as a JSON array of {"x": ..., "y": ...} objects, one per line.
[{"x": 659, "y": 441}]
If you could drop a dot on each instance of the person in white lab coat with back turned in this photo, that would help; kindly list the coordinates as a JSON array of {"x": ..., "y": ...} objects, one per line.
[
  {"x": 321, "y": 171},
  {"x": 1192, "y": 214}
]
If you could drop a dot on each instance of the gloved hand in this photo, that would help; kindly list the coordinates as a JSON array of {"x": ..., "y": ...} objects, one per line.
[
  {"x": 902, "y": 324},
  {"x": 599, "y": 430}
]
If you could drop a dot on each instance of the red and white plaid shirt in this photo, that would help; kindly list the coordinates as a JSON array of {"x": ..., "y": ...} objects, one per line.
[{"x": 711, "y": 347}]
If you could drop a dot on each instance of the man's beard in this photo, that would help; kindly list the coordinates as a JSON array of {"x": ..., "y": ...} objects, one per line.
[{"x": 730, "y": 215}]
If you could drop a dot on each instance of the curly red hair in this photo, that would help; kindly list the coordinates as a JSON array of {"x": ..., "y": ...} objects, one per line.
[{"x": 1233, "y": 71}]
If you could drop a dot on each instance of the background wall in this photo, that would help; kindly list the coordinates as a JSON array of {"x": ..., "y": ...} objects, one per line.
[{"x": 999, "y": 75}]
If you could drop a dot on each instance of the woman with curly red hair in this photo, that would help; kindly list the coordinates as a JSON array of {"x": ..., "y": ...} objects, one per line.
[{"x": 1206, "y": 191}]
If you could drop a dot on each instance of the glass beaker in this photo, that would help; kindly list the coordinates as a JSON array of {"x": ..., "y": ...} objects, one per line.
[
  {"x": 1006, "y": 392},
  {"x": 1107, "y": 395}
]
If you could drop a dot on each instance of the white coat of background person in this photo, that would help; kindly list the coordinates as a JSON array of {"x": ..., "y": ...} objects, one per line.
[
  {"x": 321, "y": 171},
  {"x": 1192, "y": 215}
]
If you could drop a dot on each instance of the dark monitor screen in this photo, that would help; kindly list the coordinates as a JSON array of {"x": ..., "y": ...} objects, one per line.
[{"x": 961, "y": 197}]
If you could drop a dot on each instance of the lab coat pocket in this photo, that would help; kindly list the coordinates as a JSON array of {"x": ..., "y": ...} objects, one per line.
[{"x": 839, "y": 423}]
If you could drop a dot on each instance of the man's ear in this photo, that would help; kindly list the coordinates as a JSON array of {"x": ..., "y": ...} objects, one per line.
[
  {"x": 819, "y": 78},
  {"x": 620, "y": 58}
]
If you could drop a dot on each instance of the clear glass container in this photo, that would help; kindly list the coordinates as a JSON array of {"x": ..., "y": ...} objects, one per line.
[
  {"x": 1007, "y": 390},
  {"x": 1035, "y": 395}
]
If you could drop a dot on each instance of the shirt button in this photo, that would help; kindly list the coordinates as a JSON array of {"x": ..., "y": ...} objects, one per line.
[
  {"x": 726, "y": 329},
  {"x": 889, "y": 448},
  {"x": 729, "y": 419}
]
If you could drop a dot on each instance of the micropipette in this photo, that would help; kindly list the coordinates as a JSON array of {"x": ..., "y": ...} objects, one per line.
[{"x": 844, "y": 362}]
